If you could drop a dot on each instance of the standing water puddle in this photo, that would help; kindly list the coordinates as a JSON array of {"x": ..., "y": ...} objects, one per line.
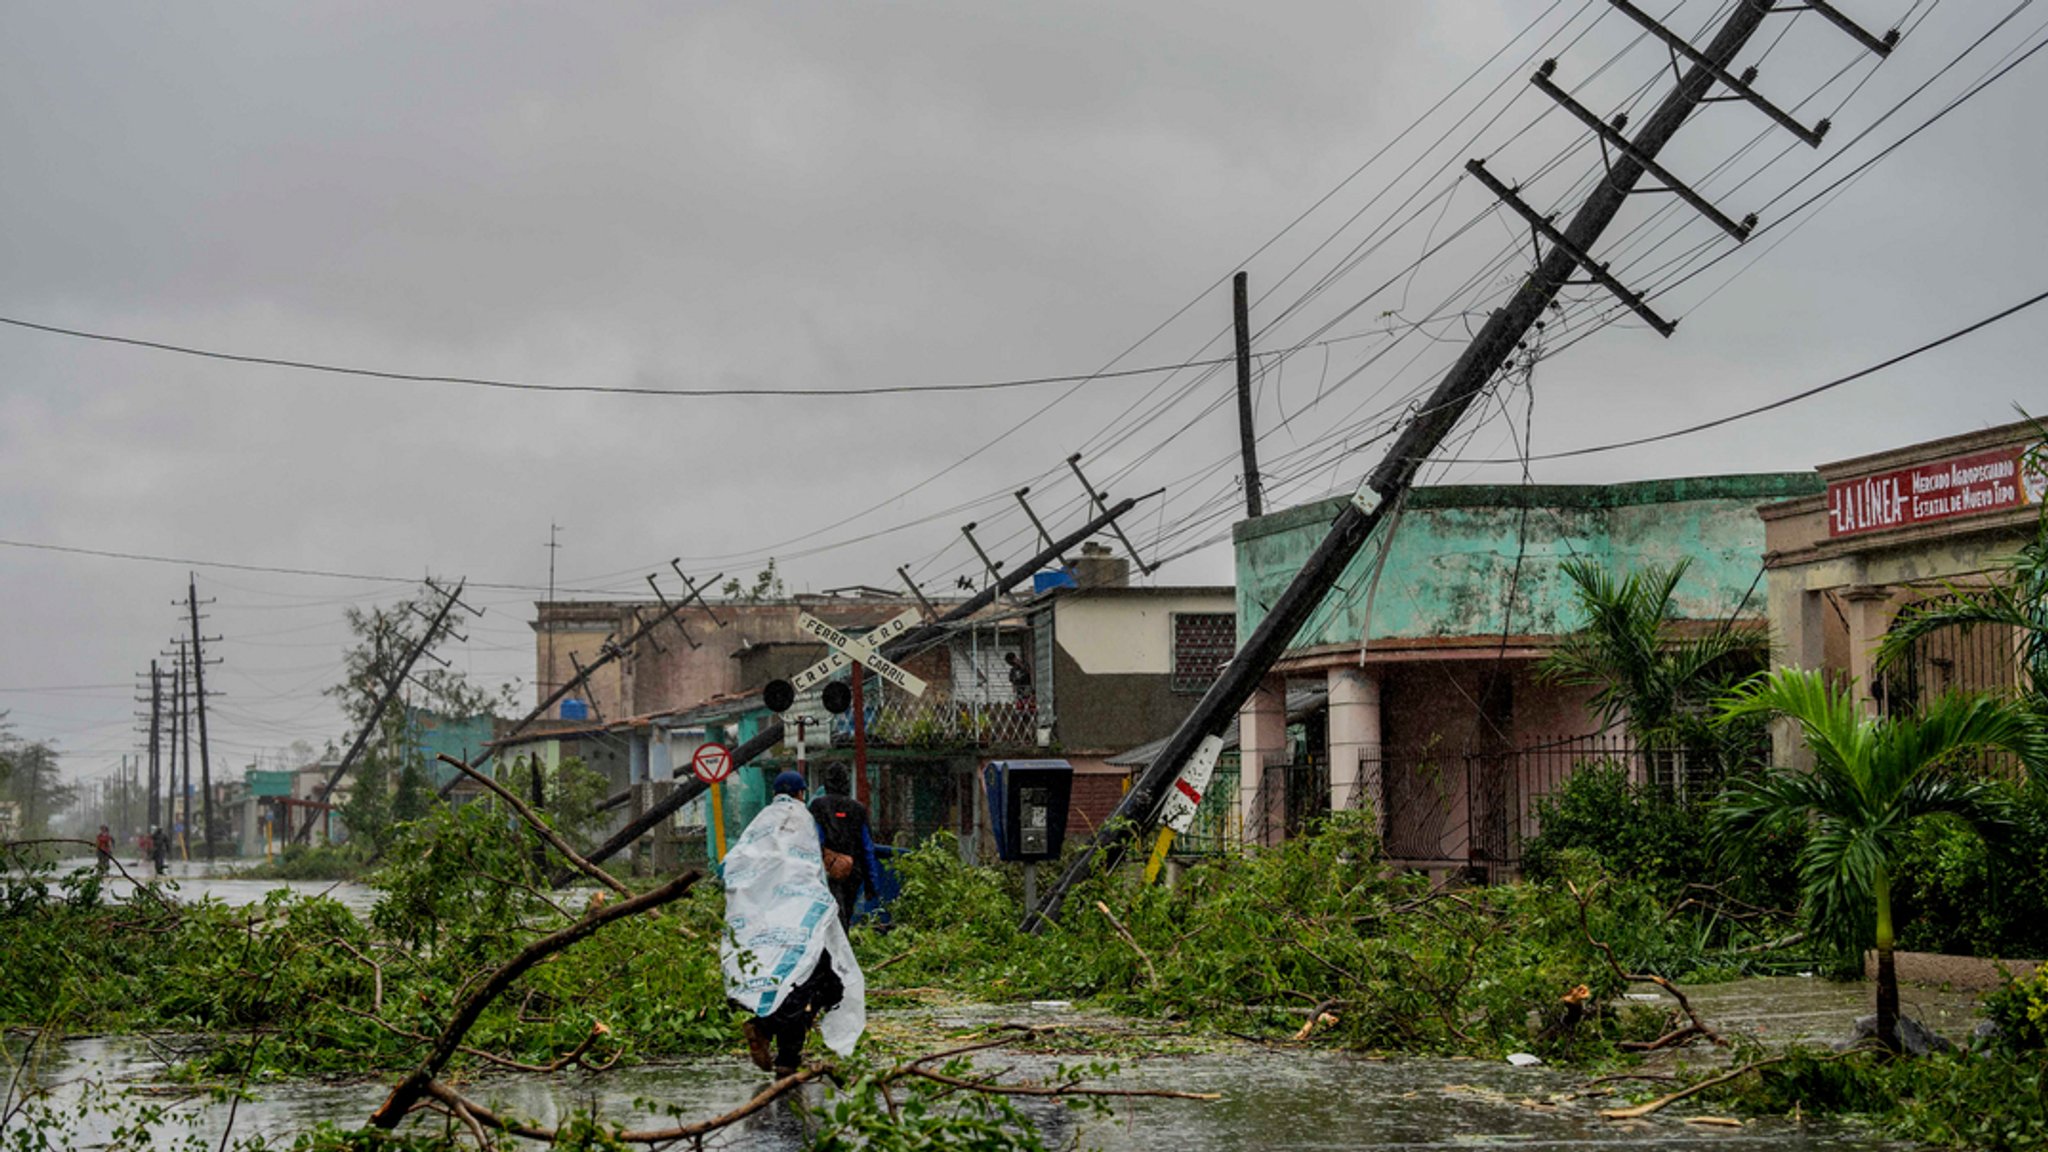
[{"x": 1270, "y": 1099}]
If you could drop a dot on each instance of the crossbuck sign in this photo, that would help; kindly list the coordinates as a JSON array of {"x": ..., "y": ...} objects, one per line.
[{"x": 865, "y": 650}]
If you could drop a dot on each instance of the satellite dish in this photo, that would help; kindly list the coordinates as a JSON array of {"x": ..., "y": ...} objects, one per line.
[
  {"x": 838, "y": 697},
  {"x": 778, "y": 695}
]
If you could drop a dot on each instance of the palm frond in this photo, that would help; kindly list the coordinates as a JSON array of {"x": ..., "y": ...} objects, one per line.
[{"x": 1960, "y": 723}]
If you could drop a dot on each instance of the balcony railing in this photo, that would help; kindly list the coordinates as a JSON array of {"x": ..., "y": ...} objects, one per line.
[{"x": 941, "y": 720}]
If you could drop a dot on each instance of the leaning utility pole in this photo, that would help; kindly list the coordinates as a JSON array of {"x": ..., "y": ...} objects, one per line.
[
  {"x": 1249, "y": 442},
  {"x": 771, "y": 733},
  {"x": 390, "y": 690},
  {"x": 199, "y": 695},
  {"x": 1482, "y": 359}
]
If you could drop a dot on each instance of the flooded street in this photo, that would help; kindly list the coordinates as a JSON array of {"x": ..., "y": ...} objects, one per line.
[
  {"x": 1271, "y": 1097},
  {"x": 194, "y": 880},
  {"x": 1280, "y": 1097}
]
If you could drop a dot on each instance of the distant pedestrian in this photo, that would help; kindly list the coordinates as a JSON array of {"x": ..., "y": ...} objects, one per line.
[
  {"x": 787, "y": 961},
  {"x": 104, "y": 845},
  {"x": 145, "y": 847},
  {"x": 1020, "y": 679},
  {"x": 850, "y": 864},
  {"x": 159, "y": 849}
]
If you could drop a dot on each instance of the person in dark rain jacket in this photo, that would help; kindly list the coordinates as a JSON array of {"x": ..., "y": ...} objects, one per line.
[{"x": 843, "y": 829}]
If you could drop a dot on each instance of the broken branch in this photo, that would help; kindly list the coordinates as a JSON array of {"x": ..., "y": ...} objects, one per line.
[
  {"x": 415, "y": 1086},
  {"x": 1697, "y": 1027},
  {"x": 1151, "y": 973},
  {"x": 541, "y": 826}
]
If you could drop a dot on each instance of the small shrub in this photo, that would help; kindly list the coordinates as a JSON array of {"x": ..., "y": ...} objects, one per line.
[
  {"x": 1630, "y": 831},
  {"x": 1956, "y": 893},
  {"x": 2020, "y": 1012}
]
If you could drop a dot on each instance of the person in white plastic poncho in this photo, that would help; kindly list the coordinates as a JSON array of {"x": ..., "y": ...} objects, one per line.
[{"x": 786, "y": 958}]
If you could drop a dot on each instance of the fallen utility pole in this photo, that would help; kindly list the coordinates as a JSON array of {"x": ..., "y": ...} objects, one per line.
[
  {"x": 609, "y": 653},
  {"x": 384, "y": 698},
  {"x": 771, "y": 733},
  {"x": 1468, "y": 378}
]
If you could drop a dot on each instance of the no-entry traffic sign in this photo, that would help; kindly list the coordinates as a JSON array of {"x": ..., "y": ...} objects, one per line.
[{"x": 712, "y": 763}]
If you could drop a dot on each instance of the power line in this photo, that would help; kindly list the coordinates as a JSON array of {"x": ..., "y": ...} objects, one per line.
[
  {"x": 1782, "y": 401},
  {"x": 597, "y": 389},
  {"x": 108, "y": 554}
]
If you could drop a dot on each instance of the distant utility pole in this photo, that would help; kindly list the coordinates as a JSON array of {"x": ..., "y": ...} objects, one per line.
[
  {"x": 181, "y": 735},
  {"x": 547, "y": 681},
  {"x": 1254, "y": 506},
  {"x": 199, "y": 695},
  {"x": 1496, "y": 343},
  {"x": 156, "y": 707}
]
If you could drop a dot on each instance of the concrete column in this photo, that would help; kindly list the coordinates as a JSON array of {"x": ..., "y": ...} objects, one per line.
[
  {"x": 1355, "y": 778},
  {"x": 636, "y": 758},
  {"x": 1262, "y": 740},
  {"x": 660, "y": 765},
  {"x": 1798, "y": 640},
  {"x": 1868, "y": 607}
]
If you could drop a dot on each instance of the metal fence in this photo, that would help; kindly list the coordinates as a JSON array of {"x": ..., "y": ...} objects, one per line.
[
  {"x": 1980, "y": 659},
  {"x": 1441, "y": 808}
]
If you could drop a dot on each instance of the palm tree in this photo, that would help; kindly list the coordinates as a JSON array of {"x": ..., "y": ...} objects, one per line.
[
  {"x": 1643, "y": 670},
  {"x": 1871, "y": 781}
]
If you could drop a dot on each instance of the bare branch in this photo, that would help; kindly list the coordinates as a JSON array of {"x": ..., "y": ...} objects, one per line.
[
  {"x": 541, "y": 826},
  {"x": 1697, "y": 1027},
  {"x": 1151, "y": 973},
  {"x": 411, "y": 1089}
]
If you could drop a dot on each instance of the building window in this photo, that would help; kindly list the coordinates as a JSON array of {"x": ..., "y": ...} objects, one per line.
[{"x": 1203, "y": 643}]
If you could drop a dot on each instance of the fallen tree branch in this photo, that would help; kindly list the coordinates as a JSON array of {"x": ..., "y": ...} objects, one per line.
[
  {"x": 140, "y": 886},
  {"x": 457, "y": 1104},
  {"x": 1068, "y": 1088},
  {"x": 376, "y": 974},
  {"x": 896, "y": 959},
  {"x": 539, "y": 825},
  {"x": 1660, "y": 1103},
  {"x": 1773, "y": 945},
  {"x": 774, "y": 1091},
  {"x": 1317, "y": 1015},
  {"x": 574, "y": 1056},
  {"x": 1151, "y": 973},
  {"x": 472, "y": 1004},
  {"x": 1696, "y": 1027}
]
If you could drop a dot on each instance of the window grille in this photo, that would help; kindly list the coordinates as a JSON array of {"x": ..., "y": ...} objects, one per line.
[{"x": 1203, "y": 642}]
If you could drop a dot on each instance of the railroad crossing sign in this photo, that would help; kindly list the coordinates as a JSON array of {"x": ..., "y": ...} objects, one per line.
[
  {"x": 712, "y": 763},
  {"x": 1178, "y": 813},
  {"x": 864, "y": 650}
]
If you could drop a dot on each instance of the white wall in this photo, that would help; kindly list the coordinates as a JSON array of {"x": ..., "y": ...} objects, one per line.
[{"x": 1111, "y": 633}]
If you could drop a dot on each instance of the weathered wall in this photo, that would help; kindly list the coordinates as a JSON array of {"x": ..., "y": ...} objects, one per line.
[
  {"x": 1113, "y": 665},
  {"x": 1833, "y": 597},
  {"x": 1115, "y": 632},
  {"x": 677, "y": 676},
  {"x": 1455, "y": 553}
]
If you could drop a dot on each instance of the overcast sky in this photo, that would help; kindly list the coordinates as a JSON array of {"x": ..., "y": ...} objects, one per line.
[{"x": 859, "y": 195}]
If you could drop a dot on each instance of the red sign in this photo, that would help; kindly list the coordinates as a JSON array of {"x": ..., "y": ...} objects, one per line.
[
  {"x": 1943, "y": 490},
  {"x": 712, "y": 763}
]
